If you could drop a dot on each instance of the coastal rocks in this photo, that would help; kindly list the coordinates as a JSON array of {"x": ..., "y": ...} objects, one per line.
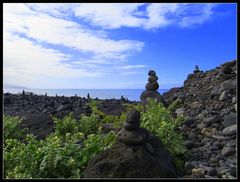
[
  {"x": 151, "y": 89},
  {"x": 137, "y": 154},
  {"x": 112, "y": 108},
  {"x": 65, "y": 107},
  {"x": 210, "y": 102}
]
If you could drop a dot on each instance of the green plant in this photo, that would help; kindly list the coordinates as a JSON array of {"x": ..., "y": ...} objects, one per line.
[
  {"x": 89, "y": 124},
  {"x": 158, "y": 120},
  {"x": 174, "y": 105},
  {"x": 12, "y": 128},
  {"x": 62, "y": 154}
]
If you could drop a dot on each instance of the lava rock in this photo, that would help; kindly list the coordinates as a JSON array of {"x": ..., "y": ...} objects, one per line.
[
  {"x": 126, "y": 161},
  {"x": 152, "y": 78},
  {"x": 134, "y": 137},
  {"x": 152, "y": 73},
  {"x": 152, "y": 86}
]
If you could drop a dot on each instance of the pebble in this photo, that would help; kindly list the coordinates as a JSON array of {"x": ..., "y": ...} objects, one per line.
[
  {"x": 231, "y": 130},
  {"x": 223, "y": 96},
  {"x": 212, "y": 172},
  {"x": 227, "y": 151}
]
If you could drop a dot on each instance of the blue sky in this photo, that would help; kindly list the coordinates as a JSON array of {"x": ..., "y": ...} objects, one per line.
[{"x": 114, "y": 45}]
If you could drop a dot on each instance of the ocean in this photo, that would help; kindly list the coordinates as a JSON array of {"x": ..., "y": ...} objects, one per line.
[{"x": 130, "y": 94}]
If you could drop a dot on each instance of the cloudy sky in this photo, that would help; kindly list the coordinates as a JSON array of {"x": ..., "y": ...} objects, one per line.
[{"x": 113, "y": 45}]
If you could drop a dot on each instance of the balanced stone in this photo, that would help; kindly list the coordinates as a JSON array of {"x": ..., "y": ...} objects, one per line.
[
  {"x": 152, "y": 73},
  {"x": 152, "y": 86},
  {"x": 133, "y": 116},
  {"x": 152, "y": 78},
  {"x": 150, "y": 94},
  {"x": 151, "y": 89},
  {"x": 134, "y": 137},
  {"x": 131, "y": 126}
]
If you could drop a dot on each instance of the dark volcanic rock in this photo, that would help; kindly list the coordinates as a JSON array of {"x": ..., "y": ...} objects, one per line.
[
  {"x": 40, "y": 125},
  {"x": 151, "y": 94},
  {"x": 210, "y": 99},
  {"x": 126, "y": 161},
  {"x": 152, "y": 86},
  {"x": 112, "y": 108}
]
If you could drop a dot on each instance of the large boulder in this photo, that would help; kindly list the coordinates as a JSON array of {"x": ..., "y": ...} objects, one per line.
[{"x": 132, "y": 161}]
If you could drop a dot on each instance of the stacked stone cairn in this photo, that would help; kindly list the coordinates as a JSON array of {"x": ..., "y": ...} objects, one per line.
[
  {"x": 151, "y": 89},
  {"x": 197, "y": 70},
  {"x": 131, "y": 133}
]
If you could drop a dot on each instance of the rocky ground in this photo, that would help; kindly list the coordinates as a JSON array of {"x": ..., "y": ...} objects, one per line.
[
  {"x": 37, "y": 111},
  {"x": 210, "y": 106}
]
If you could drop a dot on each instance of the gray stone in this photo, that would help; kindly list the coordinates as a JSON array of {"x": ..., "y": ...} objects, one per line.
[
  {"x": 227, "y": 85},
  {"x": 194, "y": 105},
  {"x": 227, "y": 151},
  {"x": 230, "y": 119},
  {"x": 235, "y": 106},
  {"x": 213, "y": 119},
  {"x": 201, "y": 125},
  {"x": 223, "y": 96},
  {"x": 231, "y": 130},
  {"x": 179, "y": 111},
  {"x": 234, "y": 100}
]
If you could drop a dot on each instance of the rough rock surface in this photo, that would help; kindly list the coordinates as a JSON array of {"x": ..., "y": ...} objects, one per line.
[
  {"x": 132, "y": 161},
  {"x": 136, "y": 155},
  {"x": 37, "y": 110},
  {"x": 209, "y": 100}
]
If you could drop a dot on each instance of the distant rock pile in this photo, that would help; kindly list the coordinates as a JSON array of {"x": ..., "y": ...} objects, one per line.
[
  {"x": 137, "y": 154},
  {"x": 210, "y": 106},
  {"x": 151, "y": 89}
]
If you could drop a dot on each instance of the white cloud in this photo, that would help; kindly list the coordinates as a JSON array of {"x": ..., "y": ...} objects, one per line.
[
  {"x": 155, "y": 15},
  {"x": 127, "y": 67},
  {"x": 26, "y": 59}
]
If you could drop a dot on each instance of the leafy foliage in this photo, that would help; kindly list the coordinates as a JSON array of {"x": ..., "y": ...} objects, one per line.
[
  {"x": 12, "y": 128},
  {"x": 63, "y": 154},
  {"x": 159, "y": 121},
  {"x": 174, "y": 105}
]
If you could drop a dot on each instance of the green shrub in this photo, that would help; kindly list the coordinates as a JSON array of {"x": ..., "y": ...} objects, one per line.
[
  {"x": 158, "y": 120},
  {"x": 12, "y": 128},
  {"x": 63, "y": 154},
  {"x": 174, "y": 105},
  {"x": 89, "y": 124}
]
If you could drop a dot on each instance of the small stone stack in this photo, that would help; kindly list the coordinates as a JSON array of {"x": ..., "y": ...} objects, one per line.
[
  {"x": 151, "y": 89},
  {"x": 132, "y": 134}
]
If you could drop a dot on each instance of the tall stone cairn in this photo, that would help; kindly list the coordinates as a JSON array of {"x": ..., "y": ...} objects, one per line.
[
  {"x": 132, "y": 134},
  {"x": 151, "y": 89}
]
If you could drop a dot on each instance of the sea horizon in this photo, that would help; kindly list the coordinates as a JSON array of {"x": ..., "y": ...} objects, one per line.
[{"x": 130, "y": 94}]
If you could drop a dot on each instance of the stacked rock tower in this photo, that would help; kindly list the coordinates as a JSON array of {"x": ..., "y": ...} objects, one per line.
[
  {"x": 131, "y": 133},
  {"x": 151, "y": 89}
]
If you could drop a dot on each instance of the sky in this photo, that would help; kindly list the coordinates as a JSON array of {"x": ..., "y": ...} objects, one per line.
[{"x": 114, "y": 45}]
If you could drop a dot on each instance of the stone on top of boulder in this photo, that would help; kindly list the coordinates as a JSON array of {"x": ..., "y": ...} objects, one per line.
[
  {"x": 136, "y": 154},
  {"x": 151, "y": 89}
]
